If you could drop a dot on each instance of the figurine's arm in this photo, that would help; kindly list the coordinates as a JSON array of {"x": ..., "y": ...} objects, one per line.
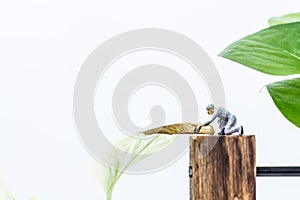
[
  {"x": 199, "y": 125},
  {"x": 215, "y": 115}
]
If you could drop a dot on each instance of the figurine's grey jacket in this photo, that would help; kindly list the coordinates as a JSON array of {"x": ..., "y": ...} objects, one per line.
[{"x": 223, "y": 114}]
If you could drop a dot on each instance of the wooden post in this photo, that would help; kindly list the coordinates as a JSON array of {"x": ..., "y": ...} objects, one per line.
[{"x": 222, "y": 168}]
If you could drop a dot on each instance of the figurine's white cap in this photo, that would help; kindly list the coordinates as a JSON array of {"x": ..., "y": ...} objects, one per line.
[{"x": 210, "y": 106}]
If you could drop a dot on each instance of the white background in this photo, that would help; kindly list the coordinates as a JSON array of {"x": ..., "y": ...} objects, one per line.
[{"x": 42, "y": 47}]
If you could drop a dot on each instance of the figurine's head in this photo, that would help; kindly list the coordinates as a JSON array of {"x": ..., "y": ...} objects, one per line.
[{"x": 210, "y": 109}]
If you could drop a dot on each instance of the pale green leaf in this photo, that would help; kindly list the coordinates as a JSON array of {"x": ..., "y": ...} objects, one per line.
[
  {"x": 4, "y": 193},
  {"x": 286, "y": 96},
  {"x": 139, "y": 149},
  {"x": 274, "y": 51},
  {"x": 289, "y": 18}
]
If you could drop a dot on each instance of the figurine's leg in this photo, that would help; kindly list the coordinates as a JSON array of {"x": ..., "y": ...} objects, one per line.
[
  {"x": 222, "y": 132},
  {"x": 235, "y": 129},
  {"x": 222, "y": 124},
  {"x": 230, "y": 126}
]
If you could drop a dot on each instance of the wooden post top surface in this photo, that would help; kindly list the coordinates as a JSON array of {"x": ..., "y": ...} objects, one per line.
[
  {"x": 222, "y": 136},
  {"x": 223, "y": 167}
]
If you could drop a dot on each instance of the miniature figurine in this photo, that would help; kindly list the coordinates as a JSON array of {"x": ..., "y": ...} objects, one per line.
[{"x": 226, "y": 122}]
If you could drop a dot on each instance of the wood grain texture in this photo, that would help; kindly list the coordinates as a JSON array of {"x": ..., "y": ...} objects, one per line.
[{"x": 224, "y": 168}]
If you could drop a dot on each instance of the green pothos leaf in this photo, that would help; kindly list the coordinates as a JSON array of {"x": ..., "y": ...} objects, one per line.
[
  {"x": 289, "y": 18},
  {"x": 286, "y": 96},
  {"x": 275, "y": 50}
]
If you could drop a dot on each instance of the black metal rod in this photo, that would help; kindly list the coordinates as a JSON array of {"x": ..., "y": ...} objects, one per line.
[{"x": 278, "y": 171}]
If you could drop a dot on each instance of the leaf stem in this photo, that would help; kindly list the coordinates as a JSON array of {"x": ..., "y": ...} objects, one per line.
[{"x": 110, "y": 190}]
